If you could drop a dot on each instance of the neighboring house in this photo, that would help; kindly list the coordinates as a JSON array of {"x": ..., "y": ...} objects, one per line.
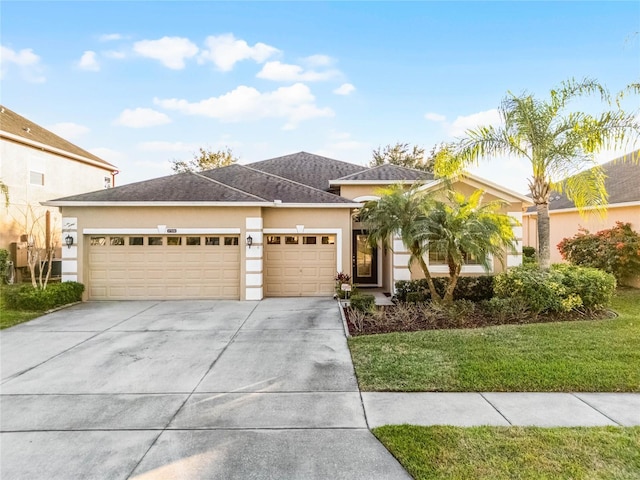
[
  {"x": 279, "y": 227},
  {"x": 623, "y": 186},
  {"x": 37, "y": 165}
]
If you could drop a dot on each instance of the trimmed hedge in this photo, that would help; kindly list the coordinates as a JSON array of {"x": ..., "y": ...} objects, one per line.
[
  {"x": 365, "y": 302},
  {"x": 475, "y": 289},
  {"x": 25, "y": 297},
  {"x": 561, "y": 289}
]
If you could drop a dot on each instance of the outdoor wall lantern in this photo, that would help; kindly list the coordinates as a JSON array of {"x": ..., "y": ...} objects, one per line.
[
  {"x": 68, "y": 240},
  {"x": 249, "y": 241}
]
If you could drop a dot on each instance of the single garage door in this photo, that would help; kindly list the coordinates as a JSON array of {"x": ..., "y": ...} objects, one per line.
[
  {"x": 136, "y": 267},
  {"x": 299, "y": 265}
]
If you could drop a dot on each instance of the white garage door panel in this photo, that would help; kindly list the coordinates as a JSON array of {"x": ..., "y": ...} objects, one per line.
[
  {"x": 299, "y": 269},
  {"x": 162, "y": 271}
]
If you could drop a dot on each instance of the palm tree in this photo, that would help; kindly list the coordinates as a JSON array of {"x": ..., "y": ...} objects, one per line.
[
  {"x": 457, "y": 228},
  {"x": 402, "y": 213},
  {"x": 4, "y": 191},
  {"x": 463, "y": 228},
  {"x": 558, "y": 143}
]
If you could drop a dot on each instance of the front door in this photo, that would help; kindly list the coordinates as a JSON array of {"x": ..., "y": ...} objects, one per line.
[{"x": 365, "y": 259}]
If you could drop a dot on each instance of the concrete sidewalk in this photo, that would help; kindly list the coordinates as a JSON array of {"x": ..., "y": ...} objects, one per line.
[{"x": 502, "y": 409}]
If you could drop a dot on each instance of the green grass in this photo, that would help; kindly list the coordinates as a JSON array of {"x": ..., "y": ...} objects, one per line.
[
  {"x": 507, "y": 453},
  {"x": 9, "y": 318},
  {"x": 587, "y": 356}
]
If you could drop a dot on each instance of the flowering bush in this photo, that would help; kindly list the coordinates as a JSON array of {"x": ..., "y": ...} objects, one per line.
[
  {"x": 341, "y": 278},
  {"x": 616, "y": 250}
]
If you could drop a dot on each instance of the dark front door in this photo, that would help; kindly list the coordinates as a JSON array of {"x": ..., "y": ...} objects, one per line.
[{"x": 365, "y": 259}]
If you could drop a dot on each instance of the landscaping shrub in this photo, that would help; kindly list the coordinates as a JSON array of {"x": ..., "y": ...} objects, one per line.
[
  {"x": 506, "y": 310},
  {"x": 365, "y": 302},
  {"x": 529, "y": 256},
  {"x": 615, "y": 250},
  {"x": 25, "y": 297},
  {"x": 4, "y": 262},
  {"x": 594, "y": 287},
  {"x": 475, "y": 289}
]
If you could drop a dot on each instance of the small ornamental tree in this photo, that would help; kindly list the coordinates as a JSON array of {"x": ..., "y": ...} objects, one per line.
[{"x": 615, "y": 250}]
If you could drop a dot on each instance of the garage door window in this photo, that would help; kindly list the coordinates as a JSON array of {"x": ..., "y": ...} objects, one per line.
[
  {"x": 98, "y": 241},
  {"x": 309, "y": 240},
  {"x": 136, "y": 240},
  {"x": 273, "y": 240},
  {"x": 212, "y": 240},
  {"x": 155, "y": 241},
  {"x": 193, "y": 241},
  {"x": 329, "y": 240},
  {"x": 116, "y": 241},
  {"x": 174, "y": 240},
  {"x": 231, "y": 240},
  {"x": 291, "y": 240}
]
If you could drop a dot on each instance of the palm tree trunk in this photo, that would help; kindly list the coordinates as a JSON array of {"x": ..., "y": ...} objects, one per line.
[
  {"x": 544, "y": 234},
  {"x": 432, "y": 288},
  {"x": 454, "y": 275}
]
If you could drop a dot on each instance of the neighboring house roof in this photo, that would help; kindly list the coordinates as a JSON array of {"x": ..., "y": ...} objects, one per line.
[
  {"x": 20, "y": 129},
  {"x": 308, "y": 169},
  {"x": 622, "y": 184},
  {"x": 384, "y": 173}
]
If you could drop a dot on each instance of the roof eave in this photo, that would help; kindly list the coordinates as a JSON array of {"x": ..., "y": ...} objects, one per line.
[
  {"x": 372, "y": 182},
  {"x": 635, "y": 203},
  {"x": 76, "y": 203}
]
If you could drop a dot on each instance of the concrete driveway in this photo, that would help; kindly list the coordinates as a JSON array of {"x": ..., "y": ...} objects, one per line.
[{"x": 185, "y": 389}]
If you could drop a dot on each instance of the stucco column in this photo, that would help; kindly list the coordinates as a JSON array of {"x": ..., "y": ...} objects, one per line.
[
  {"x": 254, "y": 259},
  {"x": 70, "y": 254},
  {"x": 514, "y": 259},
  {"x": 400, "y": 265}
]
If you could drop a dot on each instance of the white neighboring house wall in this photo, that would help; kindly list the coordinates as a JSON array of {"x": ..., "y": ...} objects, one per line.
[{"x": 36, "y": 175}]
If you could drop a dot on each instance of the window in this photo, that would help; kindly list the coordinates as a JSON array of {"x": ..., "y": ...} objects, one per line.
[
  {"x": 271, "y": 240},
  {"x": 174, "y": 240},
  {"x": 36, "y": 178},
  {"x": 212, "y": 240},
  {"x": 116, "y": 241},
  {"x": 136, "y": 240},
  {"x": 193, "y": 240},
  {"x": 308, "y": 240},
  {"x": 231, "y": 240},
  {"x": 154, "y": 241},
  {"x": 107, "y": 182},
  {"x": 438, "y": 258},
  {"x": 291, "y": 240},
  {"x": 329, "y": 240},
  {"x": 98, "y": 241}
]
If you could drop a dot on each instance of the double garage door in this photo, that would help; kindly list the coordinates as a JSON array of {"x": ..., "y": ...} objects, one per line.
[
  {"x": 163, "y": 267},
  {"x": 177, "y": 266}
]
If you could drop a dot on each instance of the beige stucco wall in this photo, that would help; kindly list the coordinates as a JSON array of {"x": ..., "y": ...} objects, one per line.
[{"x": 62, "y": 177}]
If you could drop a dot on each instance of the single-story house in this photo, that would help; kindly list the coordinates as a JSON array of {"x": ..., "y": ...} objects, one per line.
[
  {"x": 278, "y": 227},
  {"x": 622, "y": 185}
]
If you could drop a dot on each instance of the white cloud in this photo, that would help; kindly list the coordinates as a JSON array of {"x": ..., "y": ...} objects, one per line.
[
  {"x": 226, "y": 50},
  {"x": 162, "y": 146},
  {"x": 170, "y": 51},
  {"x": 142, "y": 117},
  {"x": 110, "y": 37},
  {"x": 463, "y": 123},
  {"x": 27, "y": 62},
  {"x": 68, "y": 130},
  {"x": 295, "y": 104},
  {"x": 88, "y": 61},
  {"x": 344, "y": 89},
  {"x": 115, "y": 54},
  {"x": 285, "y": 72},
  {"x": 318, "y": 61},
  {"x": 434, "y": 117}
]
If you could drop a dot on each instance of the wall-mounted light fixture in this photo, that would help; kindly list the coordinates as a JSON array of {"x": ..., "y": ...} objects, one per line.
[
  {"x": 249, "y": 241},
  {"x": 68, "y": 240}
]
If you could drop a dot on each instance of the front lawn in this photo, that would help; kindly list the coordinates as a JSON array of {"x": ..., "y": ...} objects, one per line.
[
  {"x": 587, "y": 356},
  {"x": 496, "y": 453}
]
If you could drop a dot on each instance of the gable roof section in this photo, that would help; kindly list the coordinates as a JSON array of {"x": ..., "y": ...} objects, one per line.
[
  {"x": 18, "y": 128},
  {"x": 271, "y": 187},
  {"x": 622, "y": 184},
  {"x": 307, "y": 169},
  {"x": 183, "y": 187},
  {"x": 385, "y": 173}
]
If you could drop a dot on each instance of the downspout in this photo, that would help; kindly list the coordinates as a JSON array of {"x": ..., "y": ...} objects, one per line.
[{"x": 113, "y": 177}]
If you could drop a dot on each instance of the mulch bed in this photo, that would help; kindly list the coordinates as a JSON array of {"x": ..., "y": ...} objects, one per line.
[{"x": 388, "y": 320}]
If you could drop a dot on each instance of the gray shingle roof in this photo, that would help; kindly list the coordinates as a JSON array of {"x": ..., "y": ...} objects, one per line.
[
  {"x": 18, "y": 125},
  {"x": 183, "y": 187},
  {"x": 388, "y": 173},
  {"x": 308, "y": 169},
  {"x": 270, "y": 187},
  {"x": 622, "y": 183}
]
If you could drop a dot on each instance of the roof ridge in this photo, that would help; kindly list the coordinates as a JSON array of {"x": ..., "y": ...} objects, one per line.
[
  {"x": 289, "y": 180},
  {"x": 229, "y": 186}
]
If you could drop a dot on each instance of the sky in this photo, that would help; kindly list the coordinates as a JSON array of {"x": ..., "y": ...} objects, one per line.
[{"x": 142, "y": 83}]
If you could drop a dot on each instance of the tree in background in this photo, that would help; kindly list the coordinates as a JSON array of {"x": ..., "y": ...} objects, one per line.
[
  {"x": 204, "y": 159},
  {"x": 4, "y": 191},
  {"x": 557, "y": 142},
  {"x": 403, "y": 155}
]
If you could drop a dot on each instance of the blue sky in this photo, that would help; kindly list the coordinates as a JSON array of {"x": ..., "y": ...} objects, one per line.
[{"x": 140, "y": 83}]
